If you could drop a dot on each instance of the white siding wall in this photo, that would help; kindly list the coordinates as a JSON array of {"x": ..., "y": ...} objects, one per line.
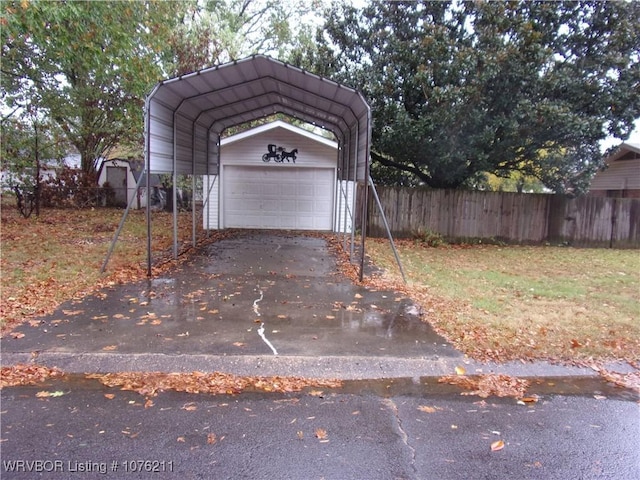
[
  {"x": 249, "y": 151},
  {"x": 344, "y": 207},
  {"x": 131, "y": 183},
  {"x": 212, "y": 207}
]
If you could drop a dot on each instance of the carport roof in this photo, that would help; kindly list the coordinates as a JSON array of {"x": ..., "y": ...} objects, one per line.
[{"x": 185, "y": 116}]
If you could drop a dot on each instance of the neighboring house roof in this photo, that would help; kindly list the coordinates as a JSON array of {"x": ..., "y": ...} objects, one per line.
[
  {"x": 622, "y": 170},
  {"x": 278, "y": 124}
]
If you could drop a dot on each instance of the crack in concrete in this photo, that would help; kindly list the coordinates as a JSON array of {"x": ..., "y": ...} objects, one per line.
[{"x": 403, "y": 434}]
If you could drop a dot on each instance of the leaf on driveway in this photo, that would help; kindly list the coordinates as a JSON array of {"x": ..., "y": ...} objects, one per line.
[
  {"x": 17, "y": 335},
  {"x": 460, "y": 370},
  {"x": 428, "y": 409},
  {"x": 321, "y": 435},
  {"x": 497, "y": 445},
  {"x": 45, "y": 394},
  {"x": 489, "y": 384},
  {"x": 211, "y": 439},
  {"x": 110, "y": 348},
  {"x": 30, "y": 374}
]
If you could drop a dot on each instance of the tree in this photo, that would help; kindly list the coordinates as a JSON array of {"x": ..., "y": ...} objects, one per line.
[
  {"x": 461, "y": 89},
  {"x": 28, "y": 144},
  {"x": 87, "y": 64},
  {"x": 218, "y": 31}
]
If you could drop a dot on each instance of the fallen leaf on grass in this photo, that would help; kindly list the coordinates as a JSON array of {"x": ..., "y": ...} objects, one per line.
[{"x": 497, "y": 445}]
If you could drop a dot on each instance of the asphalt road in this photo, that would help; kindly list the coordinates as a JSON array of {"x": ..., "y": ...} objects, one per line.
[{"x": 405, "y": 429}]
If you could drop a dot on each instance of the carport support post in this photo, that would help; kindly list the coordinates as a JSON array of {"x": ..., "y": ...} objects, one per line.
[
  {"x": 364, "y": 227},
  {"x": 386, "y": 226},
  {"x": 193, "y": 187},
  {"x": 122, "y": 220},
  {"x": 147, "y": 173},
  {"x": 175, "y": 189}
]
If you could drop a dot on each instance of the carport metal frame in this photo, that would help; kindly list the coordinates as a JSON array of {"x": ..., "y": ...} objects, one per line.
[{"x": 185, "y": 117}]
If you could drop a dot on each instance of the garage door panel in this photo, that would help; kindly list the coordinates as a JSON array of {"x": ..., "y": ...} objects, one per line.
[{"x": 286, "y": 198}]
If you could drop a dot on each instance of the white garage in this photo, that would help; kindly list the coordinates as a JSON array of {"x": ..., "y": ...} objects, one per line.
[
  {"x": 292, "y": 198},
  {"x": 259, "y": 187}
]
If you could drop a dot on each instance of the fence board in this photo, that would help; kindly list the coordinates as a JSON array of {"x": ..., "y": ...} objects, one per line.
[{"x": 510, "y": 217}]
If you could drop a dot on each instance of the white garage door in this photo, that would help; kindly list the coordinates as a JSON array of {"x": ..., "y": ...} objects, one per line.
[{"x": 278, "y": 197}]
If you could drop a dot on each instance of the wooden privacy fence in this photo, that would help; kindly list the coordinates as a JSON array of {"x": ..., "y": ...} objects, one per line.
[{"x": 508, "y": 217}]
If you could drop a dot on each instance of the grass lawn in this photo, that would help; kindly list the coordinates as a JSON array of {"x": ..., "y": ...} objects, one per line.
[
  {"x": 57, "y": 256},
  {"x": 525, "y": 302}
]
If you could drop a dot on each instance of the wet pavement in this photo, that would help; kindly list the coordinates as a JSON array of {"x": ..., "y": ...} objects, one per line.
[
  {"x": 256, "y": 303},
  {"x": 275, "y": 304},
  {"x": 402, "y": 429}
]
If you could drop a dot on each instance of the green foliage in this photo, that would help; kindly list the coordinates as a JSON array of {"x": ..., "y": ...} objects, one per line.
[
  {"x": 218, "y": 31},
  {"x": 87, "y": 64},
  {"x": 461, "y": 89}
]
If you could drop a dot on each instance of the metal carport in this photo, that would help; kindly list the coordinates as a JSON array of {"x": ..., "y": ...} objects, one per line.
[{"x": 185, "y": 117}]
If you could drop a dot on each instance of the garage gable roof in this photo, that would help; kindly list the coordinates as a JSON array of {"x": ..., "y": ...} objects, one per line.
[
  {"x": 185, "y": 116},
  {"x": 274, "y": 125}
]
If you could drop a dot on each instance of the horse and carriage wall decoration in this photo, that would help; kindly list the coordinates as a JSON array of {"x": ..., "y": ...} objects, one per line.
[{"x": 279, "y": 154}]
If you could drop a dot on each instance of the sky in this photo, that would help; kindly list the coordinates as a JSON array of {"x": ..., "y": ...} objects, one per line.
[{"x": 633, "y": 138}]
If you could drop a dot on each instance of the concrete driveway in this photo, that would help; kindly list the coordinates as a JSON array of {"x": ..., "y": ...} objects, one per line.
[
  {"x": 257, "y": 299},
  {"x": 258, "y": 303}
]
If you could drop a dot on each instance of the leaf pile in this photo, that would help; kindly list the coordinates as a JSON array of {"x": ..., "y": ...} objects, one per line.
[
  {"x": 489, "y": 384},
  {"x": 22, "y": 374},
  {"x": 630, "y": 381},
  {"x": 151, "y": 383}
]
